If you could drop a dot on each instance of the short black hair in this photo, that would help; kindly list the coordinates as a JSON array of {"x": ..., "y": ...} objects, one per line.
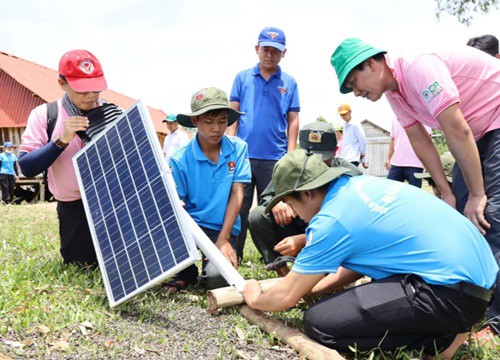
[
  {"x": 216, "y": 112},
  {"x": 487, "y": 43},
  {"x": 322, "y": 188},
  {"x": 376, "y": 57}
]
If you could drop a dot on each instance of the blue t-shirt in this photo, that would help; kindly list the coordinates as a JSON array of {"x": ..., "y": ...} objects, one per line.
[
  {"x": 379, "y": 227},
  {"x": 266, "y": 105},
  {"x": 205, "y": 186},
  {"x": 8, "y": 161}
]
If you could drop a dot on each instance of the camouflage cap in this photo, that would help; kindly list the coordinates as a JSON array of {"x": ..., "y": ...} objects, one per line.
[
  {"x": 300, "y": 171},
  {"x": 447, "y": 161},
  {"x": 320, "y": 138},
  {"x": 205, "y": 100}
]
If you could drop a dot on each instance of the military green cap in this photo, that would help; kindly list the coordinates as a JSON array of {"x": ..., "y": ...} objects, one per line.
[
  {"x": 349, "y": 54},
  {"x": 320, "y": 137},
  {"x": 205, "y": 100},
  {"x": 448, "y": 161},
  {"x": 299, "y": 171}
]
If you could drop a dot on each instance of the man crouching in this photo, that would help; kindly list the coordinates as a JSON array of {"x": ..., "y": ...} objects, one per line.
[{"x": 432, "y": 270}]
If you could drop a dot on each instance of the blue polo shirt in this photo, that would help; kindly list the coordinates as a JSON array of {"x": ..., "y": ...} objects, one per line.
[
  {"x": 379, "y": 227},
  {"x": 8, "y": 161},
  {"x": 205, "y": 186},
  {"x": 266, "y": 105}
]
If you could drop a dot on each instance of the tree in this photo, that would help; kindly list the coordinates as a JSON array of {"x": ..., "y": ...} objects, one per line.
[
  {"x": 464, "y": 10},
  {"x": 321, "y": 119}
]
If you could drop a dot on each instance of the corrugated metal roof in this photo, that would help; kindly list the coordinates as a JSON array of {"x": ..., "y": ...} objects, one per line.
[{"x": 16, "y": 104}]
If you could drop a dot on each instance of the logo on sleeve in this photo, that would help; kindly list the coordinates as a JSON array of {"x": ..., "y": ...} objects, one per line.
[{"x": 432, "y": 92}]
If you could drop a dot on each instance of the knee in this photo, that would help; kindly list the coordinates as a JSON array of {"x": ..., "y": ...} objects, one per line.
[{"x": 256, "y": 216}]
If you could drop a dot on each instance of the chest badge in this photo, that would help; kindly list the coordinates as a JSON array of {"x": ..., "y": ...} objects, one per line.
[{"x": 231, "y": 166}]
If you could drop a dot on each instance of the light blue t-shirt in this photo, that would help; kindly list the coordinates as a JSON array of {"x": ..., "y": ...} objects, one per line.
[
  {"x": 379, "y": 228},
  {"x": 8, "y": 161},
  {"x": 266, "y": 105},
  {"x": 205, "y": 186}
]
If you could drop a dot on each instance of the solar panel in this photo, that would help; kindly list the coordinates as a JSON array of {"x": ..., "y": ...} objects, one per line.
[{"x": 132, "y": 207}]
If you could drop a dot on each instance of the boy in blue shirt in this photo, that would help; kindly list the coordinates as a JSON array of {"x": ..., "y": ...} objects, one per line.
[
  {"x": 432, "y": 270},
  {"x": 8, "y": 172},
  {"x": 210, "y": 173}
]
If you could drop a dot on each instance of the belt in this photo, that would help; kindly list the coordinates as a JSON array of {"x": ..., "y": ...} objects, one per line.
[{"x": 472, "y": 290}]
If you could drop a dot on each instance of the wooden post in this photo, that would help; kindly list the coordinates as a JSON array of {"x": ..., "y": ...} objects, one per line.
[
  {"x": 306, "y": 347},
  {"x": 229, "y": 296}
]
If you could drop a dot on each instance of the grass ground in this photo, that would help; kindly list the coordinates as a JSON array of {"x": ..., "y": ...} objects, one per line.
[{"x": 51, "y": 311}]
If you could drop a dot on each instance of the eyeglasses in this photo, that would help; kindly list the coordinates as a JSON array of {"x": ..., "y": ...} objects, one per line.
[{"x": 308, "y": 155}]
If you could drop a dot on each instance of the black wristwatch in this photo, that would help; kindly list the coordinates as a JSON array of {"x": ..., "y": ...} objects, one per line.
[{"x": 59, "y": 143}]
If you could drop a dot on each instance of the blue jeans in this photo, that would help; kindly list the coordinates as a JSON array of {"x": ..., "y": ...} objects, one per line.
[{"x": 402, "y": 173}]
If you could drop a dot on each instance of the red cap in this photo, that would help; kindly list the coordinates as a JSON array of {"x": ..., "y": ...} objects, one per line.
[{"x": 83, "y": 71}]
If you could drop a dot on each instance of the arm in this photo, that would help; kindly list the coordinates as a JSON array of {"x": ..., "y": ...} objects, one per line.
[
  {"x": 463, "y": 147},
  {"x": 233, "y": 129},
  {"x": 389, "y": 154},
  {"x": 335, "y": 282},
  {"x": 281, "y": 296},
  {"x": 426, "y": 151},
  {"x": 39, "y": 160},
  {"x": 292, "y": 130},
  {"x": 232, "y": 212}
]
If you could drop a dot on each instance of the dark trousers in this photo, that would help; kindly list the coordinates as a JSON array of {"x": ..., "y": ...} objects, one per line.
[
  {"x": 398, "y": 311},
  {"x": 262, "y": 172},
  {"x": 266, "y": 233},
  {"x": 76, "y": 241},
  {"x": 210, "y": 275},
  {"x": 7, "y": 185},
  {"x": 402, "y": 173},
  {"x": 489, "y": 153}
]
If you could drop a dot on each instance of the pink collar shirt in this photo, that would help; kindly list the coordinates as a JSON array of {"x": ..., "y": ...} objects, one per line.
[{"x": 432, "y": 82}]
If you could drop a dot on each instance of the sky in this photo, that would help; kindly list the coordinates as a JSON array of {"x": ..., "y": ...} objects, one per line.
[{"x": 163, "y": 51}]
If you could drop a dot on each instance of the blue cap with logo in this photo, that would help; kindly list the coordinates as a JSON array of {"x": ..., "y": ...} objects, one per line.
[
  {"x": 271, "y": 36},
  {"x": 8, "y": 144}
]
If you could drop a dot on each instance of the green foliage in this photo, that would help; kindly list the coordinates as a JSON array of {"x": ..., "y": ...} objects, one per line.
[
  {"x": 439, "y": 141},
  {"x": 321, "y": 119},
  {"x": 464, "y": 10}
]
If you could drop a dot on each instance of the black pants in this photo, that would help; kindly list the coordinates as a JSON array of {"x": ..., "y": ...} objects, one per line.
[
  {"x": 398, "y": 311},
  {"x": 76, "y": 241},
  {"x": 7, "y": 185},
  {"x": 262, "y": 172},
  {"x": 266, "y": 233},
  {"x": 489, "y": 153},
  {"x": 211, "y": 278},
  {"x": 402, "y": 173}
]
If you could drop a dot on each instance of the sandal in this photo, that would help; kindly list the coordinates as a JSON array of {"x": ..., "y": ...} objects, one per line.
[
  {"x": 177, "y": 284},
  {"x": 280, "y": 265}
]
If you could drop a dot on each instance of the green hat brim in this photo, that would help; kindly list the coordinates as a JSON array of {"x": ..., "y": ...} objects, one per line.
[
  {"x": 352, "y": 63},
  {"x": 185, "y": 119},
  {"x": 328, "y": 176}
]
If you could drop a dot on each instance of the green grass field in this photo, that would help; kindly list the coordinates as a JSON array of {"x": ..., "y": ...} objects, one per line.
[{"x": 51, "y": 311}]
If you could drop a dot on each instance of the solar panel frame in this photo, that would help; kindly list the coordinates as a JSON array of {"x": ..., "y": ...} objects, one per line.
[{"x": 101, "y": 223}]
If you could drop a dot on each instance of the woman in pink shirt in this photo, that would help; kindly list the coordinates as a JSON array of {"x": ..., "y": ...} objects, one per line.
[{"x": 457, "y": 92}]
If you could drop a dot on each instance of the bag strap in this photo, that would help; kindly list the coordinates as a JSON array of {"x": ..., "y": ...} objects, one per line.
[{"x": 52, "y": 112}]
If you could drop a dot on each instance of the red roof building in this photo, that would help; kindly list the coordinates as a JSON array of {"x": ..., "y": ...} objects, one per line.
[{"x": 24, "y": 85}]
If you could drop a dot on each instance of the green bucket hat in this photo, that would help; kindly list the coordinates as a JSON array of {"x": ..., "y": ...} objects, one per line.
[
  {"x": 206, "y": 100},
  {"x": 447, "y": 161},
  {"x": 349, "y": 54},
  {"x": 299, "y": 171}
]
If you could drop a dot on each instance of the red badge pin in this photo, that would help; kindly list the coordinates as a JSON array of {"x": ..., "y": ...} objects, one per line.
[{"x": 231, "y": 165}]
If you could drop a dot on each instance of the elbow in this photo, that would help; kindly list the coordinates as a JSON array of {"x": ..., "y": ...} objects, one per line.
[
  {"x": 288, "y": 302},
  {"x": 24, "y": 166}
]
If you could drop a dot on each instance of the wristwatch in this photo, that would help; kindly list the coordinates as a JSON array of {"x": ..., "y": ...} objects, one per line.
[{"x": 60, "y": 143}]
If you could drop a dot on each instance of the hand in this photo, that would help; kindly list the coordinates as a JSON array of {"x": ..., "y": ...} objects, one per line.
[
  {"x": 227, "y": 250},
  {"x": 283, "y": 214},
  {"x": 387, "y": 164},
  {"x": 71, "y": 126},
  {"x": 251, "y": 292},
  {"x": 474, "y": 211},
  {"x": 449, "y": 198},
  {"x": 291, "y": 245}
]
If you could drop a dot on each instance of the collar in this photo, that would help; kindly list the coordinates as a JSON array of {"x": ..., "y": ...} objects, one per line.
[
  {"x": 256, "y": 71},
  {"x": 226, "y": 148}
]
